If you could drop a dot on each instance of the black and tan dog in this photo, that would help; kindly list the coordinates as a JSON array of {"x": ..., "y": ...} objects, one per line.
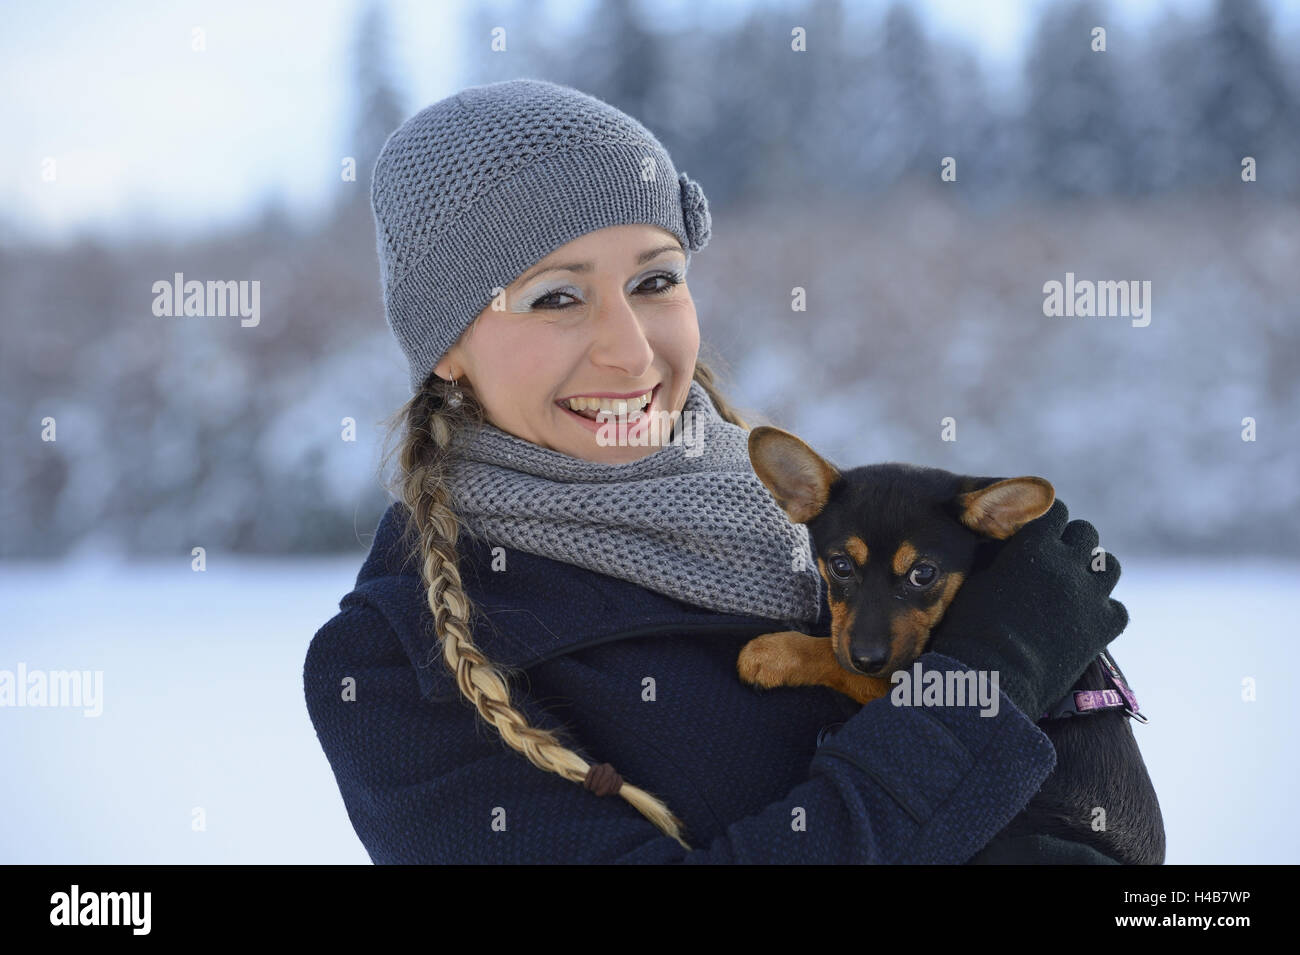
[{"x": 894, "y": 543}]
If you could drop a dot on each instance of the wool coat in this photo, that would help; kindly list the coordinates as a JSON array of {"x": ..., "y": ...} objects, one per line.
[{"x": 647, "y": 683}]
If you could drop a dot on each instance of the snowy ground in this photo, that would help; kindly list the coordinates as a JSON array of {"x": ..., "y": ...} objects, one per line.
[{"x": 203, "y": 707}]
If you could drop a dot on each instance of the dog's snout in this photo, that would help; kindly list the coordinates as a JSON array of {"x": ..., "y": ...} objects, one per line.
[{"x": 871, "y": 661}]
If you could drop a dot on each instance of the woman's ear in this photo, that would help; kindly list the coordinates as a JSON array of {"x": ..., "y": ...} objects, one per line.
[{"x": 449, "y": 368}]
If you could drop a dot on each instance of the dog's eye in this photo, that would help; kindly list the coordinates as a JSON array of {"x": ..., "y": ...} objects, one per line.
[
  {"x": 922, "y": 575},
  {"x": 841, "y": 567}
]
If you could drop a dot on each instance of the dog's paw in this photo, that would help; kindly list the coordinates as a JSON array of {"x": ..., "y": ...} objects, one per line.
[{"x": 765, "y": 661}]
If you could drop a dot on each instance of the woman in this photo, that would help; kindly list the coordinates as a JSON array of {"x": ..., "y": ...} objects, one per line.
[{"x": 534, "y": 243}]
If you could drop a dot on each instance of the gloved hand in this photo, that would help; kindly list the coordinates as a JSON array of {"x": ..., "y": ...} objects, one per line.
[{"x": 1038, "y": 614}]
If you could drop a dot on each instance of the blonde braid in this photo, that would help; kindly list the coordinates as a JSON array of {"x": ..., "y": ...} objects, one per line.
[
  {"x": 431, "y": 429},
  {"x": 707, "y": 377}
]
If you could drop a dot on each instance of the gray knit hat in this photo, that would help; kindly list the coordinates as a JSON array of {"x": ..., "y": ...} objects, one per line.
[{"x": 474, "y": 190}]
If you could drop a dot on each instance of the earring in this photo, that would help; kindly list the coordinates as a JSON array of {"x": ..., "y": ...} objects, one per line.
[{"x": 454, "y": 396}]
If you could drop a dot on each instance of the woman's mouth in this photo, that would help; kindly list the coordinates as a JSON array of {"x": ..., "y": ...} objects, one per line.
[{"x": 594, "y": 418}]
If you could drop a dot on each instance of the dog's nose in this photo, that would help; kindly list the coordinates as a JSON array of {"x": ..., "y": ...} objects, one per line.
[{"x": 871, "y": 662}]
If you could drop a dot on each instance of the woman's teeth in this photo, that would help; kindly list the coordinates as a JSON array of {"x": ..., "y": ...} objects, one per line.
[{"x": 591, "y": 407}]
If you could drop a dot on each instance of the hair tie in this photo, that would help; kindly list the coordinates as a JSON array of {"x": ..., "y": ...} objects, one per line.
[{"x": 602, "y": 779}]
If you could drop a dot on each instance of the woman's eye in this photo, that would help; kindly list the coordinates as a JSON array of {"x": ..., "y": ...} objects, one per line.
[
  {"x": 547, "y": 301},
  {"x": 922, "y": 575},
  {"x": 670, "y": 280},
  {"x": 539, "y": 302},
  {"x": 841, "y": 567}
]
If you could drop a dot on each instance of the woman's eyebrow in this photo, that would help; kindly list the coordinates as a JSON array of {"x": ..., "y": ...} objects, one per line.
[{"x": 586, "y": 266}]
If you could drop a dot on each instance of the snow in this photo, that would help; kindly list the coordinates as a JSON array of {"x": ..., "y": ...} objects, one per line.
[{"x": 203, "y": 707}]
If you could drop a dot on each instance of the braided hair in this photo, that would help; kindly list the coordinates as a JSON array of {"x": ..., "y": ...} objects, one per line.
[{"x": 431, "y": 427}]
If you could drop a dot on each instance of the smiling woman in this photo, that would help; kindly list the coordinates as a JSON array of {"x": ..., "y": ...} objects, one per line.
[
  {"x": 602, "y": 322},
  {"x": 534, "y": 244}
]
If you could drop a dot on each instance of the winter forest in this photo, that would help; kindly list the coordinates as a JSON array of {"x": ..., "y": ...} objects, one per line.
[{"x": 824, "y": 171}]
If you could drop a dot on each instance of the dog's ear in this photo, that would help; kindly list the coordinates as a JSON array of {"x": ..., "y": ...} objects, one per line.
[
  {"x": 798, "y": 477},
  {"x": 1004, "y": 506}
]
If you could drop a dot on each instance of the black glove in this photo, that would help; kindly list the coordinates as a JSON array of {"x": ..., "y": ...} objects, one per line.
[{"x": 1038, "y": 614}]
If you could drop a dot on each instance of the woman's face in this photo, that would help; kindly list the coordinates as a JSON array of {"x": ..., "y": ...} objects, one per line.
[{"x": 599, "y": 316}]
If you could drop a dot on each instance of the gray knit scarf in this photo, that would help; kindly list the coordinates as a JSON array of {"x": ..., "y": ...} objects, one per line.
[{"x": 690, "y": 519}]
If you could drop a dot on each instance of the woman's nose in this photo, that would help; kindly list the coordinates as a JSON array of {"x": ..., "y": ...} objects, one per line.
[{"x": 620, "y": 340}]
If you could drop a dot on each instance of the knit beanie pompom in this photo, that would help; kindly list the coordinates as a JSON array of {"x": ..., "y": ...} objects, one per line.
[{"x": 472, "y": 191}]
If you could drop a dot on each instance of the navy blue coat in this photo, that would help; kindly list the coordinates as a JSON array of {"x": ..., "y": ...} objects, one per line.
[{"x": 798, "y": 774}]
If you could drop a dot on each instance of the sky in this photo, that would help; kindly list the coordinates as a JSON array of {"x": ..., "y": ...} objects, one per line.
[{"x": 149, "y": 135}]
